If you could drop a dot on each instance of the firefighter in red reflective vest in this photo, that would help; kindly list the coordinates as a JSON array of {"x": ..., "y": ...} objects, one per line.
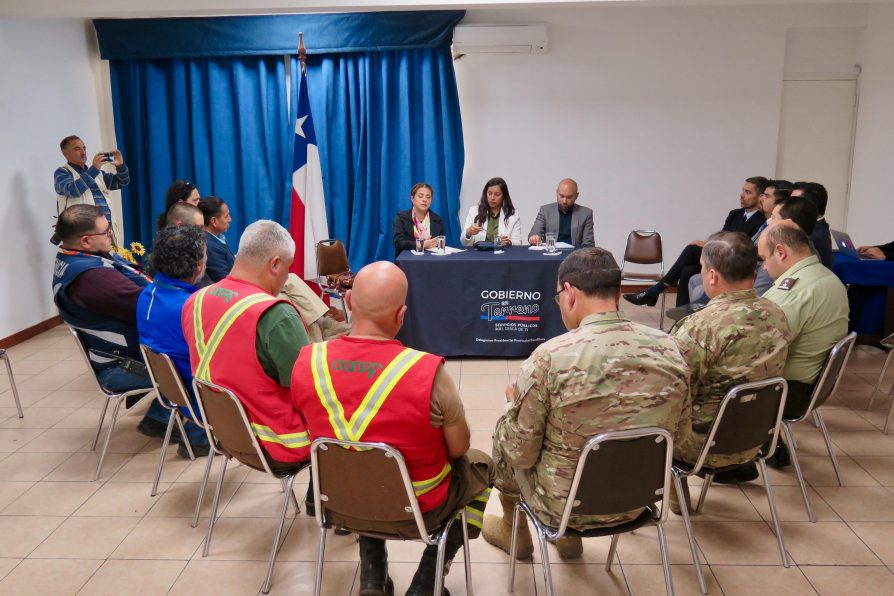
[
  {"x": 244, "y": 339},
  {"x": 369, "y": 387}
]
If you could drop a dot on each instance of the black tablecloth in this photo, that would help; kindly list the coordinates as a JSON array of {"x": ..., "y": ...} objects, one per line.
[{"x": 478, "y": 303}]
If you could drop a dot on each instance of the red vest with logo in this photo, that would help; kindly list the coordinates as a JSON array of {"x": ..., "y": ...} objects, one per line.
[
  {"x": 376, "y": 391},
  {"x": 220, "y": 323}
]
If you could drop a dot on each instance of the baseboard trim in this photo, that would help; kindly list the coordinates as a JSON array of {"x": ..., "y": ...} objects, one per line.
[{"x": 32, "y": 331}]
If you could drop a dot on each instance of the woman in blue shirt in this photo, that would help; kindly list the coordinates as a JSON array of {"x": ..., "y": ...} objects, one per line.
[{"x": 217, "y": 222}]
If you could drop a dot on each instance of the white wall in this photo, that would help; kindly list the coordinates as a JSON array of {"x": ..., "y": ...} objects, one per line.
[
  {"x": 49, "y": 90},
  {"x": 871, "y": 211},
  {"x": 658, "y": 113}
]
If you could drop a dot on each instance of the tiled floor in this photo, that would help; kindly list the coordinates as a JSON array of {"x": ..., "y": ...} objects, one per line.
[{"x": 60, "y": 533}]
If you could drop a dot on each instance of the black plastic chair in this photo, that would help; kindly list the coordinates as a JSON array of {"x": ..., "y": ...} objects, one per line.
[
  {"x": 605, "y": 483},
  {"x": 644, "y": 248},
  {"x": 370, "y": 481},
  {"x": 823, "y": 390},
  {"x": 748, "y": 418}
]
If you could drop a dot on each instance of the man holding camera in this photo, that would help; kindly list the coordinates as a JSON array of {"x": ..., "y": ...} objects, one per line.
[{"x": 77, "y": 184}]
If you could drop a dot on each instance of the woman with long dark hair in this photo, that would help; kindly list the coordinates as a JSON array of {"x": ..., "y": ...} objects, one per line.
[
  {"x": 494, "y": 218},
  {"x": 417, "y": 222},
  {"x": 180, "y": 191}
]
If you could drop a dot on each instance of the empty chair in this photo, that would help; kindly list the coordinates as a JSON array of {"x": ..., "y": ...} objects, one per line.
[
  {"x": 748, "y": 418},
  {"x": 604, "y": 484},
  {"x": 334, "y": 272},
  {"x": 644, "y": 248},
  {"x": 371, "y": 481},
  {"x": 118, "y": 398},
  {"x": 888, "y": 345},
  {"x": 823, "y": 390},
  {"x": 230, "y": 434},
  {"x": 12, "y": 382}
]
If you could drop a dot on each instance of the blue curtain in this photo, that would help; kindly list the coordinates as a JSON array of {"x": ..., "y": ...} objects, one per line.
[
  {"x": 384, "y": 121},
  {"x": 218, "y": 122}
]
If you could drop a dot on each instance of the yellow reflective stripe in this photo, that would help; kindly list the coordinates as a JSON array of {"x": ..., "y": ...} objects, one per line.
[
  {"x": 484, "y": 496},
  {"x": 197, "y": 321},
  {"x": 420, "y": 487},
  {"x": 353, "y": 429},
  {"x": 291, "y": 440},
  {"x": 474, "y": 517},
  {"x": 223, "y": 325}
]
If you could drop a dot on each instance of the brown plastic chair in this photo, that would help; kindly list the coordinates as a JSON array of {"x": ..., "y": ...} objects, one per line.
[
  {"x": 748, "y": 417},
  {"x": 823, "y": 390},
  {"x": 230, "y": 432},
  {"x": 118, "y": 398},
  {"x": 370, "y": 481},
  {"x": 888, "y": 345},
  {"x": 332, "y": 260},
  {"x": 644, "y": 248},
  {"x": 605, "y": 483},
  {"x": 170, "y": 389},
  {"x": 12, "y": 382}
]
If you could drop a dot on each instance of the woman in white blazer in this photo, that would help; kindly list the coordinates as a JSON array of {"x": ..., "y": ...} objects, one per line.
[{"x": 486, "y": 215}]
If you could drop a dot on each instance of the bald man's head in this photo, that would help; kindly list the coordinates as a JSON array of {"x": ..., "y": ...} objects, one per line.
[
  {"x": 566, "y": 194},
  {"x": 378, "y": 298}
]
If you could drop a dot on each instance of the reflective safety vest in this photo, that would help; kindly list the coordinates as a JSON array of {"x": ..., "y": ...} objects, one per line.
[
  {"x": 376, "y": 391},
  {"x": 220, "y": 324}
]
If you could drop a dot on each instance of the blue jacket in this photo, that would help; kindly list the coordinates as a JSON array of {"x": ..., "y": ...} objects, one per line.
[
  {"x": 158, "y": 321},
  {"x": 220, "y": 257}
]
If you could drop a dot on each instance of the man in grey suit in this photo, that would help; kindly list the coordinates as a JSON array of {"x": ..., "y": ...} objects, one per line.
[{"x": 569, "y": 222}]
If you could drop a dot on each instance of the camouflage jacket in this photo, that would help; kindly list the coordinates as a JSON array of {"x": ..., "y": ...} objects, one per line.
[
  {"x": 737, "y": 338},
  {"x": 608, "y": 374}
]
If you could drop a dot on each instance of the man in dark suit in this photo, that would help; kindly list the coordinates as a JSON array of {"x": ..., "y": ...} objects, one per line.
[
  {"x": 571, "y": 223},
  {"x": 821, "y": 236},
  {"x": 747, "y": 219}
]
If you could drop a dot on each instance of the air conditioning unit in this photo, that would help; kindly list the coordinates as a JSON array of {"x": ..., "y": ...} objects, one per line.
[{"x": 500, "y": 39}]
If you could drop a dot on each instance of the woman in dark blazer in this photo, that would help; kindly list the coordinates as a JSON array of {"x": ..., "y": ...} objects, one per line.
[
  {"x": 217, "y": 222},
  {"x": 419, "y": 221}
]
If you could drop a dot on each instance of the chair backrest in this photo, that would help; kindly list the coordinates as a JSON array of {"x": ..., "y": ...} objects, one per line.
[
  {"x": 331, "y": 257},
  {"x": 748, "y": 417},
  {"x": 368, "y": 481},
  {"x": 166, "y": 379},
  {"x": 605, "y": 483},
  {"x": 84, "y": 349},
  {"x": 830, "y": 376},
  {"x": 888, "y": 342},
  {"x": 643, "y": 247},
  {"x": 227, "y": 425}
]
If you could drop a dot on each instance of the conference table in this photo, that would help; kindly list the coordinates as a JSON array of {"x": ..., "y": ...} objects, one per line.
[
  {"x": 481, "y": 303},
  {"x": 870, "y": 294}
]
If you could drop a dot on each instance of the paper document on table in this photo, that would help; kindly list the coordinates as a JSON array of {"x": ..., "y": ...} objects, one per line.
[
  {"x": 448, "y": 250},
  {"x": 559, "y": 245}
]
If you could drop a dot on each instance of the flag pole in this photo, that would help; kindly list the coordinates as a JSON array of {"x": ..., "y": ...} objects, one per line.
[{"x": 302, "y": 53}]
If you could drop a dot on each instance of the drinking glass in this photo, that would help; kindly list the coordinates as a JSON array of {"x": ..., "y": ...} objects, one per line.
[
  {"x": 551, "y": 243},
  {"x": 442, "y": 243},
  {"x": 420, "y": 245}
]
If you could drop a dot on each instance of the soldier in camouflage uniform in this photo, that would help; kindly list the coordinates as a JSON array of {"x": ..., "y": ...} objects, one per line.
[
  {"x": 737, "y": 338},
  {"x": 605, "y": 374}
]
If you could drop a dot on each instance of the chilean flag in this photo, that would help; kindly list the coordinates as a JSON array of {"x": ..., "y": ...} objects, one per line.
[{"x": 308, "y": 220}]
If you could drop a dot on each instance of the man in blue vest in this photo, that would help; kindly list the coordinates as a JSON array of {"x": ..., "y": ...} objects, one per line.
[{"x": 96, "y": 291}]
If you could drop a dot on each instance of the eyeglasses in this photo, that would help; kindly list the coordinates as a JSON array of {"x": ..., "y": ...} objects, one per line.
[
  {"x": 556, "y": 297},
  {"x": 106, "y": 232}
]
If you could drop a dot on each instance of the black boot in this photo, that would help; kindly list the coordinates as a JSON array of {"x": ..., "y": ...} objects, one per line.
[
  {"x": 423, "y": 583},
  {"x": 780, "y": 458},
  {"x": 646, "y": 297},
  {"x": 744, "y": 473},
  {"x": 374, "y": 579}
]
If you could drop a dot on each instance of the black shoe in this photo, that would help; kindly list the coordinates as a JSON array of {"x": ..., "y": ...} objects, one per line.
[
  {"x": 374, "y": 579},
  {"x": 154, "y": 428},
  {"x": 644, "y": 298},
  {"x": 423, "y": 583},
  {"x": 744, "y": 473},
  {"x": 781, "y": 458},
  {"x": 197, "y": 450}
]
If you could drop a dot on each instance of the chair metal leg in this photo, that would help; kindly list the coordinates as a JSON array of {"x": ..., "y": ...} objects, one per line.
[
  {"x": 544, "y": 562},
  {"x": 796, "y": 463},
  {"x": 513, "y": 548},
  {"x": 822, "y": 425},
  {"x": 890, "y": 409},
  {"x": 467, "y": 555},
  {"x": 161, "y": 455},
  {"x": 12, "y": 383},
  {"x": 768, "y": 486},
  {"x": 102, "y": 417},
  {"x": 665, "y": 560},
  {"x": 179, "y": 418},
  {"x": 709, "y": 478},
  {"x": 318, "y": 583},
  {"x": 293, "y": 500},
  {"x": 612, "y": 550},
  {"x": 105, "y": 445},
  {"x": 661, "y": 319},
  {"x": 282, "y": 521},
  {"x": 201, "y": 497},
  {"x": 439, "y": 566},
  {"x": 878, "y": 385},
  {"x": 213, "y": 517},
  {"x": 693, "y": 546}
]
